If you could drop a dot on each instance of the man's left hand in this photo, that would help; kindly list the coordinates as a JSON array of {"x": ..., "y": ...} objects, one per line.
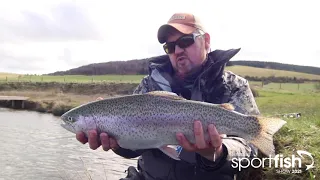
[{"x": 210, "y": 149}]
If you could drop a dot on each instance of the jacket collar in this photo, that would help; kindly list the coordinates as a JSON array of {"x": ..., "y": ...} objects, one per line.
[{"x": 213, "y": 67}]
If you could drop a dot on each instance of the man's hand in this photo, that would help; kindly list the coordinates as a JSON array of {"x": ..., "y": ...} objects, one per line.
[
  {"x": 211, "y": 149},
  {"x": 95, "y": 141}
]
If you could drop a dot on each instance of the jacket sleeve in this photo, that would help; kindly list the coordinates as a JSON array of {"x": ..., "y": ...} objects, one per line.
[
  {"x": 235, "y": 147},
  {"x": 127, "y": 153}
]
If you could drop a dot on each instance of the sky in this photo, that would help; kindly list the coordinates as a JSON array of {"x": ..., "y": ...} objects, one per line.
[{"x": 38, "y": 37}]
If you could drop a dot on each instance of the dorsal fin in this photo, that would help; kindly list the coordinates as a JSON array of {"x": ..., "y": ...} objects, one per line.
[
  {"x": 227, "y": 106},
  {"x": 166, "y": 94}
]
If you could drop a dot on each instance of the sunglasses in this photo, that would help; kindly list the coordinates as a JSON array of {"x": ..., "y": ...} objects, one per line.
[{"x": 183, "y": 42}]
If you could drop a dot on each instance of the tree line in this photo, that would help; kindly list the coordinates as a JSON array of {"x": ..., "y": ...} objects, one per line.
[{"x": 140, "y": 66}]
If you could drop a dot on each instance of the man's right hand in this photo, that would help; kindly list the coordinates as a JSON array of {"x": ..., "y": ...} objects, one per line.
[{"x": 95, "y": 141}]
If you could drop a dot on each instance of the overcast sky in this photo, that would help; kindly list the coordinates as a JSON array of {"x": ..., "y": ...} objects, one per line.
[{"x": 52, "y": 35}]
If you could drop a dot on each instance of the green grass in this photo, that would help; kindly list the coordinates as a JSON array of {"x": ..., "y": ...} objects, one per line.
[
  {"x": 299, "y": 133},
  {"x": 73, "y": 78},
  {"x": 263, "y": 72},
  {"x": 240, "y": 70},
  {"x": 307, "y": 87}
]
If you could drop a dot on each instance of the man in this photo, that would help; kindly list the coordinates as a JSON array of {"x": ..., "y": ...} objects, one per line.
[{"x": 190, "y": 70}]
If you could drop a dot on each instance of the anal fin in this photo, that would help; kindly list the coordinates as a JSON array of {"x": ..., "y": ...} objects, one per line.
[{"x": 171, "y": 152}]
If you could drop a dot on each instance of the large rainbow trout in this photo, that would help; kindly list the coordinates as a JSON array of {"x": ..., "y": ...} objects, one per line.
[{"x": 151, "y": 120}]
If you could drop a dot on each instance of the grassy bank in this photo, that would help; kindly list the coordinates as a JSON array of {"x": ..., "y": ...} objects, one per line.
[
  {"x": 57, "y": 98},
  {"x": 299, "y": 133}
]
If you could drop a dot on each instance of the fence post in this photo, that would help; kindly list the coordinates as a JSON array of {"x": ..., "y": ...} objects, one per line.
[
  {"x": 6, "y": 78},
  {"x": 298, "y": 86},
  {"x": 280, "y": 85}
]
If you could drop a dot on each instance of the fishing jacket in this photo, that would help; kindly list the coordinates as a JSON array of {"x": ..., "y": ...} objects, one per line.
[{"x": 211, "y": 84}]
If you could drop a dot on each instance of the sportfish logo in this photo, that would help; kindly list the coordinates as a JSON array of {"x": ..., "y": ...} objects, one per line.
[
  {"x": 300, "y": 153},
  {"x": 290, "y": 163}
]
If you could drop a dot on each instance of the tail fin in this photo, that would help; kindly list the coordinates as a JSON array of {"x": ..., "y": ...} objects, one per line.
[{"x": 264, "y": 141}]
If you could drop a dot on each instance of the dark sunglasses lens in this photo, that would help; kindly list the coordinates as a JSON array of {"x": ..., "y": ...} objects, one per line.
[
  {"x": 169, "y": 48},
  {"x": 185, "y": 42}
]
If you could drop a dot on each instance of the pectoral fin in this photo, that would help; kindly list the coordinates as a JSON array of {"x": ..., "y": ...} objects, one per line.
[{"x": 171, "y": 152}]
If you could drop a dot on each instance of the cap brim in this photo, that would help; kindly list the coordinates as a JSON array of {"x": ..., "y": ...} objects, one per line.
[{"x": 165, "y": 30}]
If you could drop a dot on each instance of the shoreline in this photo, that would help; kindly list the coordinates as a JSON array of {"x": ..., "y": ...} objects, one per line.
[
  {"x": 30, "y": 105},
  {"x": 57, "y": 98}
]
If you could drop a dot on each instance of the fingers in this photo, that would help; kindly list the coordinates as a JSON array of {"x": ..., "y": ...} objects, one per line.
[
  {"x": 96, "y": 141},
  {"x": 93, "y": 139},
  {"x": 105, "y": 141},
  {"x": 199, "y": 135},
  {"x": 80, "y": 136},
  {"x": 185, "y": 143},
  {"x": 215, "y": 137},
  {"x": 108, "y": 142},
  {"x": 200, "y": 142}
]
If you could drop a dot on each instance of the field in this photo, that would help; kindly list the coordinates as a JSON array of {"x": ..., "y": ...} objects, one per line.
[
  {"x": 240, "y": 70},
  {"x": 307, "y": 87},
  {"x": 71, "y": 78},
  {"x": 263, "y": 72}
]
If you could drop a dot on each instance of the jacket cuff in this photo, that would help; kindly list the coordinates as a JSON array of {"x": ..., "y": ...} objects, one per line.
[
  {"x": 208, "y": 165},
  {"x": 127, "y": 153}
]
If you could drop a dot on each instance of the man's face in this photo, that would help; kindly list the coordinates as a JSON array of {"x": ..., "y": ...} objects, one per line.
[{"x": 186, "y": 59}]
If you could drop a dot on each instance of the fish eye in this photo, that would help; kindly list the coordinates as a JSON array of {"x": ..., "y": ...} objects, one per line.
[{"x": 70, "y": 119}]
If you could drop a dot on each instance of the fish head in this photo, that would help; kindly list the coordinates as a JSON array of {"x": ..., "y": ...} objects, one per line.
[
  {"x": 78, "y": 119},
  {"x": 69, "y": 121}
]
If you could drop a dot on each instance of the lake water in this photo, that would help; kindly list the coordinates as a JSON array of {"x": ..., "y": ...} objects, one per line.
[{"x": 34, "y": 146}]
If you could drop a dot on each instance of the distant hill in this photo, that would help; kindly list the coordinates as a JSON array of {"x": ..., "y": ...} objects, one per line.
[
  {"x": 140, "y": 66},
  {"x": 113, "y": 67},
  {"x": 279, "y": 66},
  {"x": 274, "y": 75}
]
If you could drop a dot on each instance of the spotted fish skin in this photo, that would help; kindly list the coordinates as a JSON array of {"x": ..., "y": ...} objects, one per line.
[{"x": 151, "y": 120}]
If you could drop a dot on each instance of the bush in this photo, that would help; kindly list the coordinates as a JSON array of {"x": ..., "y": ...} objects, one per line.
[{"x": 254, "y": 92}]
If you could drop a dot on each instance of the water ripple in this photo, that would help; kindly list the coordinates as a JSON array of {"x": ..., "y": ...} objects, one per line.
[{"x": 34, "y": 146}]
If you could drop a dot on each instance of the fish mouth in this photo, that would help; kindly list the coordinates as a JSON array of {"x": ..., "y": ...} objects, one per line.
[
  {"x": 68, "y": 127},
  {"x": 66, "y": 124}
]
